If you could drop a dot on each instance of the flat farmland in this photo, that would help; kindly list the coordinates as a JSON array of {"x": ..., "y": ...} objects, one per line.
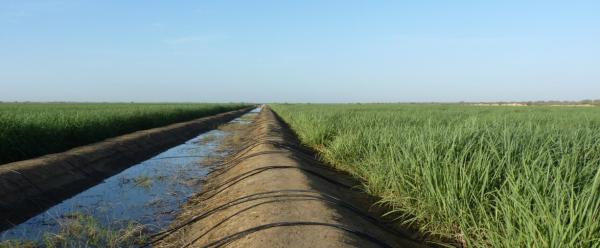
[
  {"x": 479, "y": 176},
  {"x": 29, "y": 130}
]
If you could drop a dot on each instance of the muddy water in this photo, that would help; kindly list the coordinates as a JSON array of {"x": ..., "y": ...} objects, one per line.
[{"x": 149, "y": 193}]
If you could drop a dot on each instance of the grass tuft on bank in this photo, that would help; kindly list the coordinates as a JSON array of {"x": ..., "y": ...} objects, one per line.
[
  {"x": 80, "y": 230},
  {"x": 481, "y": 176}
]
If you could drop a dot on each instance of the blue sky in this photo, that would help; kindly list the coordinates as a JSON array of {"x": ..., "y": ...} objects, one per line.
[{"x": 299, "y": 51}]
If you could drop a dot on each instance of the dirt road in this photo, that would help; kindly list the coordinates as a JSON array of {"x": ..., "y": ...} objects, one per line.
[{"x": 273, "y": 193}]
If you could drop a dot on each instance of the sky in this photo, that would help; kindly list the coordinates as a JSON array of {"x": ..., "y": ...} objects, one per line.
[{"x": 299, "y": 51}]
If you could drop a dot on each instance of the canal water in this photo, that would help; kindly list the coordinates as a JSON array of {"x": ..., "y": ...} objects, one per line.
[{"x": 148, "y": 194}]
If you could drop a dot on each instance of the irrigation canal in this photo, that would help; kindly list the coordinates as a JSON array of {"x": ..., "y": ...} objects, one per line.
[{"x": 149, "y": 193}]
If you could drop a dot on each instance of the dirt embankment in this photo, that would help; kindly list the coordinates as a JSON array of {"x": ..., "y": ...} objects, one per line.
[
  {"x": 274, "y": 193},
  {"x": 31, "y": 186}
]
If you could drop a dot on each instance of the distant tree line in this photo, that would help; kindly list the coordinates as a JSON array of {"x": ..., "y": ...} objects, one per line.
[
  {"x": 595, "y": 102},
  {"x": 581, "y": 102}
]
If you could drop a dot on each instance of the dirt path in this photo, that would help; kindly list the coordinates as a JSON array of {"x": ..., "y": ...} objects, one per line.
[{"x": 274, "y": 193}]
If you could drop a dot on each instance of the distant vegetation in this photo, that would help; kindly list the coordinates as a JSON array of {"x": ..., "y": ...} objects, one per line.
[
  {"x": 550, "y": 103},
  {"x": 29, "y": 130},
  {"x": 482, "y": 176}
]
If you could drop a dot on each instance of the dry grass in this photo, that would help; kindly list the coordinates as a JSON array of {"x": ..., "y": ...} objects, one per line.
[{"x": 79, "y": 230}]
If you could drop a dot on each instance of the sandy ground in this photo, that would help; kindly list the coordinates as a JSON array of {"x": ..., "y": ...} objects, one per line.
[{"x": 273, "y": 193}]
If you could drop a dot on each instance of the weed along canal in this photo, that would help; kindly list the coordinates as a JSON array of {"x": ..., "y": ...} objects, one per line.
[{"x": 124, "y": 209}]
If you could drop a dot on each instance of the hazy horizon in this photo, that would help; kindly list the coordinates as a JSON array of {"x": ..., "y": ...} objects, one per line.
[
  {"x": 315, "y": 51},
  {"x": 595, "y": 102}
]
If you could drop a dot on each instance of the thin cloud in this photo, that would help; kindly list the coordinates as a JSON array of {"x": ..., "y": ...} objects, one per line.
[
  {"x": 16, "y": 11},
  {"x": 158, "y": 25},
  {"x": 193, "y": 39}
]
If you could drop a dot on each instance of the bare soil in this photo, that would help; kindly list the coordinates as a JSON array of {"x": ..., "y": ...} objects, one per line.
[{"x": 274, "y": 193}]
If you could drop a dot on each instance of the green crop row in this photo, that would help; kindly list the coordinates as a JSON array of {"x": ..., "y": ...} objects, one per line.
[
  {"x": 481, "y": 176},
  {"x": 29, "y": 130}
]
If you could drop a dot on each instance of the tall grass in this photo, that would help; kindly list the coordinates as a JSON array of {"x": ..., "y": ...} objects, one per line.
[
  {"x": 482, "y": 176},
  {"x": 29, "y": 130}
]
